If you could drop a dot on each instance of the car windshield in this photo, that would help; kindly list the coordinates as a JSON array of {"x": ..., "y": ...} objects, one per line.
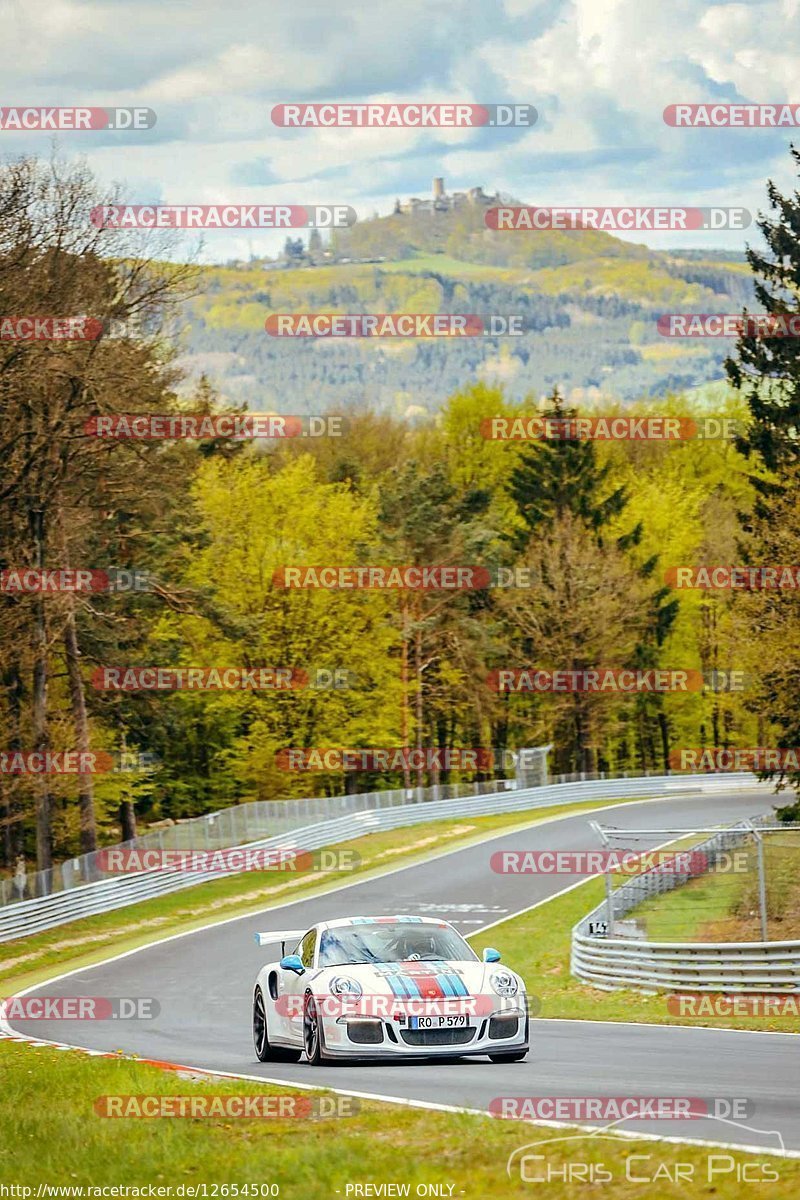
[{"x": 389, "y": 942}]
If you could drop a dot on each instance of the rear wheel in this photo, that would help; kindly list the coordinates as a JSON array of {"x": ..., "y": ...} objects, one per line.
[{"x": 265, "y": 1051}]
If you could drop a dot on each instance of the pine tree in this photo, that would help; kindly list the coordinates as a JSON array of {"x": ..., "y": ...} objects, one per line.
[
  {"x": 767, "y": 369},
  {"x": 554, "y": 478},
  {"x": 557, "y": 485}
]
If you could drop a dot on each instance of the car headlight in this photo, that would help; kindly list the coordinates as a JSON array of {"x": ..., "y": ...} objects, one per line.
[
  {"x": 342, "y": 985},
  {"x": 504, "y": 983}
]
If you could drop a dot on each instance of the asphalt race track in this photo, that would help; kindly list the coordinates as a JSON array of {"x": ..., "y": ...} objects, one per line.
[{"x": 203, "y": 983}]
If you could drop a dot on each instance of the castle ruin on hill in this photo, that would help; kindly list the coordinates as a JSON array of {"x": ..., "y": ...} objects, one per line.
[{"x": 441, "y": 201}]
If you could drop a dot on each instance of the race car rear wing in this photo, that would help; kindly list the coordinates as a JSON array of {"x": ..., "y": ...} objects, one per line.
[{"x": 282, "y": 936}]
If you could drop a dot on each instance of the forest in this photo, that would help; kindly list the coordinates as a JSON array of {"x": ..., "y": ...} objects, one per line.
[{"x": 175, "y": 552}]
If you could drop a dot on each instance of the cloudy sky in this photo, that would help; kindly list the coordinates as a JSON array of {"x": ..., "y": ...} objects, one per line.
[{"x": 600, "y": 73}]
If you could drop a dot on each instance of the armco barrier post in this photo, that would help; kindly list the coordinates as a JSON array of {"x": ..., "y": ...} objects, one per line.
[
  {"x": 609, "y": 903},
  {"x": 762, "y": 884}
]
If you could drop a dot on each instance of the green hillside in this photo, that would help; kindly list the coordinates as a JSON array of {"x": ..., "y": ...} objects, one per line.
[
  {"x": 462, "y": 234},
  {"x": 589, "y": 303}
]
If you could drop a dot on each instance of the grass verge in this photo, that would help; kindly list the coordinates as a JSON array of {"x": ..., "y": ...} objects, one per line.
[
  {"x": 537, "y": 945},
  {"x": 723, "y": 906},
  {"x": 50, "y": 1133}
]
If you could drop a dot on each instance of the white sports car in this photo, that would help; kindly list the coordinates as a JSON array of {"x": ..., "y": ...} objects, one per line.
[{"x": 385, "y": 987}]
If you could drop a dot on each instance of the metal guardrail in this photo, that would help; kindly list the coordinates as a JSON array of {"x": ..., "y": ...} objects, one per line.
[
  {"x": 293, "y": 826},
  {"x": 615, "y": 962},
  {"x": 227, "y": 828},
  {"x": 691, "y": 967},
  {"x": 243, "y": 823}
]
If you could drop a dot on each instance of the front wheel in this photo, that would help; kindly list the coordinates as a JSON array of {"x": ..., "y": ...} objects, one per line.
[
  {"x": 265, "y": 1052},
  {"x": 312, "y": 1037}
]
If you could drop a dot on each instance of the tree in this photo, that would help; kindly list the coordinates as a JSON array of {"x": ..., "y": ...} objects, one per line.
[
  {"x": 52, "y": 261},
  {"x": 767, "y": 370},
  {"x": 254, "y": 521},
  {"x": 294, "y": 250},
  {"x": 560, "y": 476},
  {"x": 426, "y": 521},
  {"x": 588, "y": 607},
  {"x": 561, "y": 489}
]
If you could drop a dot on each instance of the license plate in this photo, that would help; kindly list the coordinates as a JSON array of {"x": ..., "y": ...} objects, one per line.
[{"x": 448, "y": 1022}]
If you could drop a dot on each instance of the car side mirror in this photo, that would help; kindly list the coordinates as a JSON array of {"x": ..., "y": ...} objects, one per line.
[
  {"x": 293, "y": 962},
  {"x": 491, "y": 955}
]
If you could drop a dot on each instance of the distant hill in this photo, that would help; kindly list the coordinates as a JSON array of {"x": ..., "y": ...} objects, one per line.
[
  {"x": 589, "y": 302},
  {"x": 462, "y": 234}
]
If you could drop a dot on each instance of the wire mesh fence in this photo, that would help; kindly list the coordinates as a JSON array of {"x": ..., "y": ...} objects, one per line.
[
  {"x": 729, "y": 922},
  {"x": 259, "y": 819}
]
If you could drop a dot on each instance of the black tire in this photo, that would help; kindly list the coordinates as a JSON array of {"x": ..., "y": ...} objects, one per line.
[
  {"x": 312, "y": 1031},
  {"x": 511, "y": 1056},
  {"x": 265, "y": 1051}
]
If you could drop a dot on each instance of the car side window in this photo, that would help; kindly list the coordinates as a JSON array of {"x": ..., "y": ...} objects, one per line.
[{"x": 307, "y": 947}]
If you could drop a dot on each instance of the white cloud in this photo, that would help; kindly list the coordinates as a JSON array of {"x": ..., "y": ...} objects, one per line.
[{"x": 600, "y": 72}]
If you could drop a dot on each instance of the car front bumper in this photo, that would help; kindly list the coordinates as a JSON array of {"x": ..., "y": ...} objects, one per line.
[{"x": 352, "y": 1037}]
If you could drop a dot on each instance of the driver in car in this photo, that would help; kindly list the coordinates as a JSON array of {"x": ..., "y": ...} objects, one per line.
[{"x": 414, "y": 945}]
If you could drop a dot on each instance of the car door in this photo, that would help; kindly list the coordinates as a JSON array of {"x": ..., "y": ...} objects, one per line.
[{"x": 292, "y": 988}]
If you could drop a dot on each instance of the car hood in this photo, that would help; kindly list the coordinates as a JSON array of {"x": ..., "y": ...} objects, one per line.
[{"x": 420, "y": 979}]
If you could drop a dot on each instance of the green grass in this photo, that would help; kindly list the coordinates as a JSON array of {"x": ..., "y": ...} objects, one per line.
[
  {"x": 28, "y": 961},
  {"x": 680, "y": 915},
  {"x": 724, "y": 906},
  {"x": 537, "y": 945},
  {"x": 50, "y": 1133}
]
